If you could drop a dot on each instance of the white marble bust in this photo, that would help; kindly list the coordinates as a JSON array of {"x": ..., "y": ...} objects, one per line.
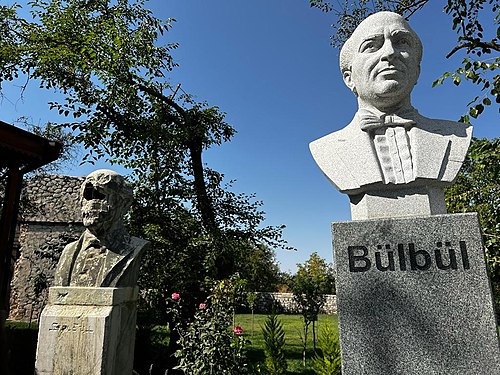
[
  {"x": 105, "y": 255},
  {"x": 389, "y": 153}
]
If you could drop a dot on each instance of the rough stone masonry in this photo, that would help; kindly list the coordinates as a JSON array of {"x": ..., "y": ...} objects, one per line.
[{"x": 50, "y": 220}]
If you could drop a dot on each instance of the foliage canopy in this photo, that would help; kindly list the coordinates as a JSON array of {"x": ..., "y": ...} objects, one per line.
[
  {"x": 110, "y": 62},
  {"x": 477, "y": 189}
]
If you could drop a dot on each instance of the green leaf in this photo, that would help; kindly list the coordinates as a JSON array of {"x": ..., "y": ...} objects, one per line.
[
  {"x": 437, "y": 82},
  {"x": 479, "y": 108}
]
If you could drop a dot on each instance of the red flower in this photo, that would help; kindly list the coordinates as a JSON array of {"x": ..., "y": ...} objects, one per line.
[
  {"x": 238, "y": 330},
  {"x": 203, "y": 306},
  {"x": 176, "y": 296}
]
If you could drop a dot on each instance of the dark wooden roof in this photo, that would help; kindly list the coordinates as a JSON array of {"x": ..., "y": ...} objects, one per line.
[{"x": 27, "y": 151}]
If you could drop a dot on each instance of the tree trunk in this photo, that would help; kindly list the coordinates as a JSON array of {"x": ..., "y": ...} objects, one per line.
[
  {"x": 195, "y": 145},
  {"x": 314, "y": 336},
  {"x": 202, "y": 199},
  {"x": 306, "y": 327}
]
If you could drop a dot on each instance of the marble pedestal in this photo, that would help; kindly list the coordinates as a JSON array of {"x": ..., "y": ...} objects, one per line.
[
  {"x": 87, "y": 331},
  {"x": 414, "y": 297}
]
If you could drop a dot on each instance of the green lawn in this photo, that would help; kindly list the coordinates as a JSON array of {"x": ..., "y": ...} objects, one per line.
[{"x": 293, "y": 326}]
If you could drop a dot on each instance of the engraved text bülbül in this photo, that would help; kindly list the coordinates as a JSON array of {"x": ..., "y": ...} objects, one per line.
[{"x": 408, "y": 258}]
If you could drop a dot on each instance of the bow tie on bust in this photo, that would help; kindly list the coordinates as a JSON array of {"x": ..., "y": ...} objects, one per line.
[{"x": 370, "y": 121}]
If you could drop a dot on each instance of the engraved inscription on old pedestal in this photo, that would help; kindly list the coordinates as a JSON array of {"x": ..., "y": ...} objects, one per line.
[
  {"x": 413, "y": 293},
  {"x": 88, "y": 326}
]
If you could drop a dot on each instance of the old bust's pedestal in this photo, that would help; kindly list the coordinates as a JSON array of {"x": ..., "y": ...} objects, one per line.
[
  {"x": 87, "y": 331},
  {"x": 88, "y": 325}
]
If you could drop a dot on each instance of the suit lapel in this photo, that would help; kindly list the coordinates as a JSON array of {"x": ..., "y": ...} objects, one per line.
[{"x": 425, "y": 165}]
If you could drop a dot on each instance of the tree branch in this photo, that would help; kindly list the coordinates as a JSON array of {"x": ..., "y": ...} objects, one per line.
[
  {"x": 115, "y": 117},
  {"x": 414, "y": 7},
  {"x": 165, "y": 99},
  {"x": 195, "y": 146},
  {"x": 158, "y": 95},
  {"x": 472, "y": 43}
]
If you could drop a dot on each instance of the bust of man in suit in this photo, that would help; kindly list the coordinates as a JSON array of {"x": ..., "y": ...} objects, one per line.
[
  {"x": 389, "y": 153},
  {"x": 105, "y": 255}
]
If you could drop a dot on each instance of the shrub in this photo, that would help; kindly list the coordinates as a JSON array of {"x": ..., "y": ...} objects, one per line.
[
  {"x": 207, "y": 344},
  {"x": 274, "y": 343},
  {"x": 328, "y": 363}
]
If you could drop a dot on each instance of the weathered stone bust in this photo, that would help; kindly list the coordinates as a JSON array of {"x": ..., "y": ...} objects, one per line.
[
  {"x": 105, "y": 255},
  {"x": 389, "y": 159}
]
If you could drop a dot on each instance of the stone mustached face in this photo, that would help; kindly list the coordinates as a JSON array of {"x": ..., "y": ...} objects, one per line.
[
  {"x": 383, "y": 60},
  {"x": 96, "y": 208},
  {"x": 105, "y": 198}
]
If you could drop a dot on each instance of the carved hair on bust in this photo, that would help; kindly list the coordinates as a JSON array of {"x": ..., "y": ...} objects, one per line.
[{"x": 348, "y": 49}]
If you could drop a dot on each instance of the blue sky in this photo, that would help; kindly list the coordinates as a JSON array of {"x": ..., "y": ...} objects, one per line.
[{"x": 268, "y": 65}]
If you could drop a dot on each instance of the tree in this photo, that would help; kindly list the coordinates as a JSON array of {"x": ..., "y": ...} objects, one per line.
[
  {"x": 478, "y": 42},
  {"x": 285, "y": 282},
  {"x": 312, "y": 281},
  {"x": 104, "y": 58},
  {"x": 10, "y": 42},
  {"x": 259, "y": 268},
  {"x": 477, "y": 189}
]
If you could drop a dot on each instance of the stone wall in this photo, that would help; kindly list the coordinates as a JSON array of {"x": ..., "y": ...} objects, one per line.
[
  {"x": 285, "y": 304},
  {"x": 50, "y": 220}
]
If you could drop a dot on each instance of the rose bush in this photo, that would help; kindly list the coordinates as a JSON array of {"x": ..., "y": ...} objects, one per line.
[{"x": 207, "y": 344}]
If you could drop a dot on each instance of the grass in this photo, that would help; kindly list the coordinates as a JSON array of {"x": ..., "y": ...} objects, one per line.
[{"x": 293, "y": 327}]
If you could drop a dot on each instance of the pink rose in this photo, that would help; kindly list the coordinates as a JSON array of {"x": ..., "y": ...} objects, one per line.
[
  {"x": 238, "y": 330},
  {"x": 176, "y": 296},
  {"x": 203, "y": 306}
]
